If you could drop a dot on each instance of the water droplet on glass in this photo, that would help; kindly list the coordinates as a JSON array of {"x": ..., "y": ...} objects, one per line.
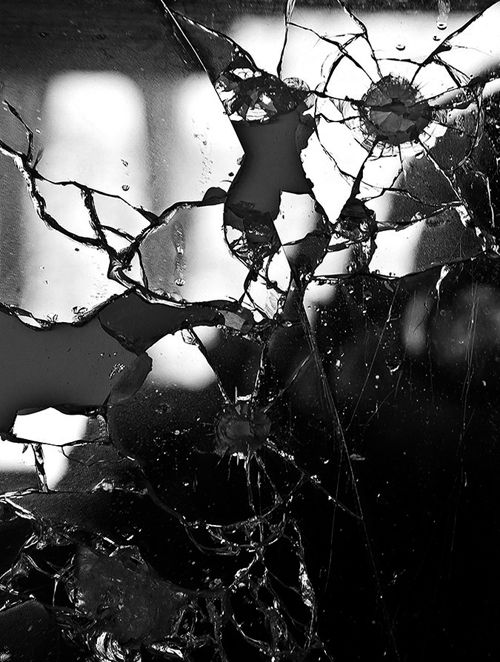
[
  {"x": 125, "y": 187},
  {"x": 436, "y": 37},
  {"x": 444, "y": 8},
  {"x": 400, "y": 47}
]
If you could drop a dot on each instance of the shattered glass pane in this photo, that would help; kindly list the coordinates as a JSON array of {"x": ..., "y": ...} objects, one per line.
[{"x": 249, "y": 311}]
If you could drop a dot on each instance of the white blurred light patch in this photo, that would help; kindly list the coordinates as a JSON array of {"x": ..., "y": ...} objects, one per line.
[
  {"x": 95, "y": 123},
  {"x": 93, "y": 131},
  {"x": 208, "y": 154},
  {"x": 177, "y": 362},
  {"x": 48, "y": 427},
  {"x": 414, "y": 324},
  {"x": 204, "y": 141}
]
